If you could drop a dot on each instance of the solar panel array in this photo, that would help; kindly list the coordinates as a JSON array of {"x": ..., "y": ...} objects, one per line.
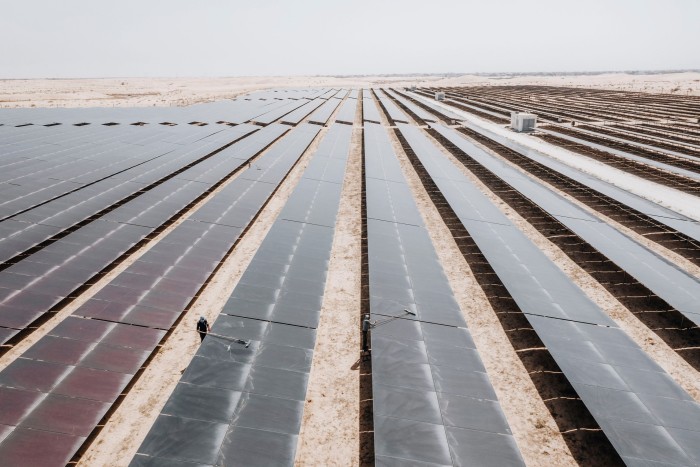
[
  {"x": 433, "y": 402},
  {"x": 417, "y": 110},
  {"x": 40, "y": 281},
  {"x": 302, "y": 112},
  {"x": 393, "y": 111},
  {"x": 440, "y": 109},
  {"x": 664, "y": 150},
  {"x": 323, "y": 113},
  {"x": 346, "y": 114},
  {"x": 630, "y": 156},
  {"x": 232, "y": 111},
  {"x": 243, "y": 405},
  {"x": 79, "y": 369},
  {"x": 677, "y": 287},
  {"x": 82, "y": 189},
  {"x": 644, "y": 413},
  {"x": 370, "y": 112},
  {"x": 672, "y": 219}
]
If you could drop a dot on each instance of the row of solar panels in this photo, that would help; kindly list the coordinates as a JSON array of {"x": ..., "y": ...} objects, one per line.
[
  {"x": 662, "y": 398},
  {"x": 243, "y": 405},
  {"x": 674, "y": 220},
  {"x": 678, "y": 288},
  {"x": 644, "y": 413},
  {"x": 433, "y": 402},
  {"x": 39, "y": 281},
  {"x": 370, "y": 112},
  {"x": 405, "y": 212},
  {"x": 37, "y": 172},
  {"x": 44, "y": 185},
  {"x": 393, "y": 112},
  {"x": 235, "y": 111},
  {"x": 683, "y": 150},
  {"x": 668, "y": 167},
  {"x": 422, "y": 115},
  {"x": 149, "y": 189},
  {"x": 60, "y": 391}
]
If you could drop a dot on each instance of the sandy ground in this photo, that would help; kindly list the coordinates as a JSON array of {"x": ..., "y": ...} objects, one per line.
[
  {"x": 122, "y": 435},
  {"x": 139, "y": 92},
  {"x": 329, "y": 434}
]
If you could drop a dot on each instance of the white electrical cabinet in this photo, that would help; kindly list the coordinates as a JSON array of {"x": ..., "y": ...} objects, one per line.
[{"x": 522, "y": 121}]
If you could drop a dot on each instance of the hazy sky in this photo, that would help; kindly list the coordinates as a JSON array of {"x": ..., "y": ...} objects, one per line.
[{"x": 97, "y": 38}]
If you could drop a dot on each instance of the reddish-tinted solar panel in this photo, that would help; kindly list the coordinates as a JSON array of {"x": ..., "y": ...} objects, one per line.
[
  {"x": 151, "y": 317},
  {"x": 58, "y": 350},
  {"x": 32, "y": 374},
  {"x": 148, "y": 269},
  {"x": 101, "y": 309},
  {"x": 4, "y": 431},
  {"x": 187, "y": 275},
  {"x": 32, "y": 301},
  {"x": 14, "y": 281},
  {"x": 15, "y": 404},
  {"x": 93, "y": 384},
  {"x": 55, "y": 286},
  {"x": 119, "y": 359},
  {"x": 134, "y": 281},
  {"x": 17, "y": 318},
  {"x": 90, "y": 330},
  {"x": 112, "y": 293},
  {"x": 7, "y": 334},
  {"x": 77, "y": 417},
  {"x": 196, "y": 263},
  {"x": 32, "y": 447},
  {"x": 184, "y": 288},
  {"x": 134, "y": 337},
  {"x": 28, "y": 268},
  {"x": 165, "y": 301}
]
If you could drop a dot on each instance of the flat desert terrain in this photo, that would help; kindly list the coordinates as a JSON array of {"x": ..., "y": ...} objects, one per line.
[{"x": 139, "y": 92}]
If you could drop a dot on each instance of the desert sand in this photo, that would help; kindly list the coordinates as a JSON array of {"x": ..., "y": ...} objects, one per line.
[{"x": 138, "y": 92}]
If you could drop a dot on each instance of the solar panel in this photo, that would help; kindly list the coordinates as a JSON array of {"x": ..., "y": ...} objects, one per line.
[
  {"x": 585, "y": 343},
  {"x": 419, "y": 111},
  {"x": 431, "y": 394},
  {"x": 370, "y": 112},
  {"x": 439, "y": 110},
  {"x": 346, "y": 114},
  {"x": 627, "y": 155},
  {"x": 112, "y": 239},
  {"x": 661, "y": 214},
  {"x": 323, "y": 113},
  {"x": 299, "y": 114},
  {"x": 255, "y": 394},
  {"x": 394, "y": 112},
  {"x": 673, "y": 285}
]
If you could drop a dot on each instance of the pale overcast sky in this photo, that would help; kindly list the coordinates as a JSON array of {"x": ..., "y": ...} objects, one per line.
[{"x": 96, "y": 38}]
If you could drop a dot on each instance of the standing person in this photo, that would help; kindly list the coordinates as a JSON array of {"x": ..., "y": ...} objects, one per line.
[
  {"x": 365, "y": 331},
  {"x": 203, "y": 327}
]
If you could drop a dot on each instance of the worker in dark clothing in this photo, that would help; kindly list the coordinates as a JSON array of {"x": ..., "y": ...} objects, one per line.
[
  {"x": 203, "y": 327},
  {"x": 366, "y": 324}
]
